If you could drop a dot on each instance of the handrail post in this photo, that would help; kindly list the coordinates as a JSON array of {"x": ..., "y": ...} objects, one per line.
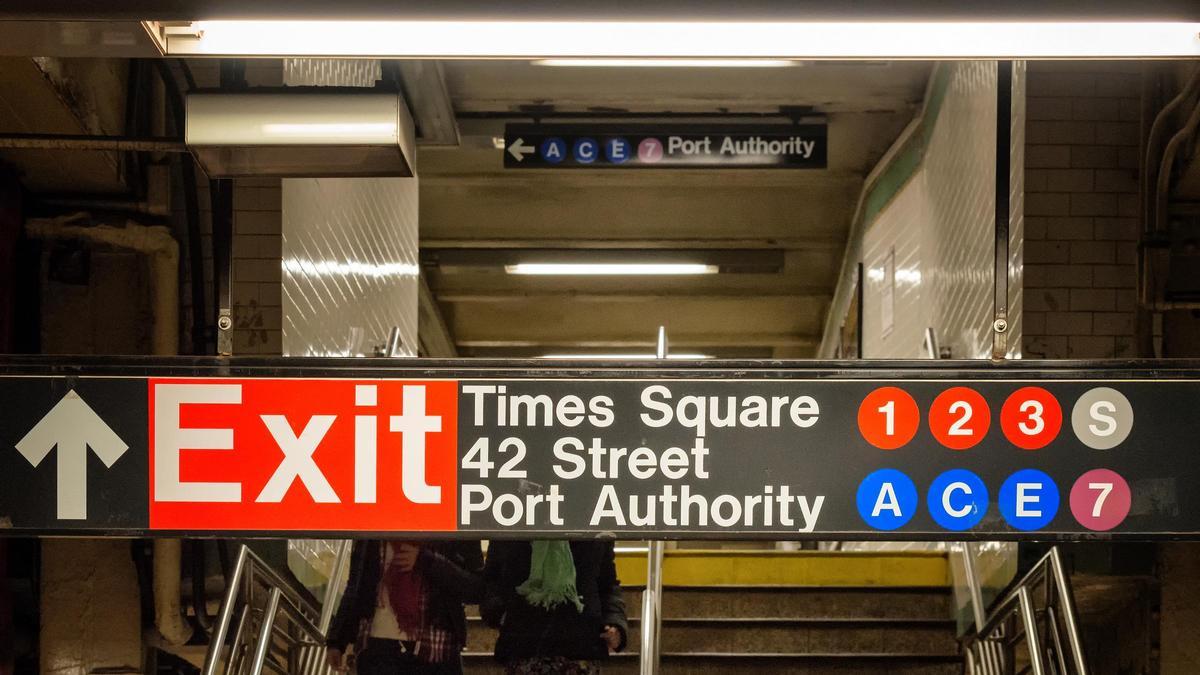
[
  {"x": 652, "y": 610},
  {"x": 339, "y": 566},
  {"x": 651, "y": 650},
  {"x": 264, "y": 632},
  {"x": 1067, "y": 598},
  {"x": 1032, "y": 640},
  {"x": 974, "y": 586},
  {"x": 217, "y": 641}
]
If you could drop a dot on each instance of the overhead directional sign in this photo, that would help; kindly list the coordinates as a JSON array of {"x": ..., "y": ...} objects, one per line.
[
  {"x": 300, "y": 447},
  {"x": 679, "y": 146}
]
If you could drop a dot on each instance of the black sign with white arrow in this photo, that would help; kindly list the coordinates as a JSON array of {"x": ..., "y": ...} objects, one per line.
[
  {"x": 66, "y": 465},
  {"x": 671, "y": 146}
]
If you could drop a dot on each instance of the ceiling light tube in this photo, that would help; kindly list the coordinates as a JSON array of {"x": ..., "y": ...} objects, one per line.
[
  {"x": 667, "y": 63},
  {"x": 611, "y": 269},
  {"x": 687, "y": 40},
  {"x": 622, "y": 357}
]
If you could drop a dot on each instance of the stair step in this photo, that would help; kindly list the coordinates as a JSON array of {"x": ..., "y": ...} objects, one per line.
[
  {"x": 759, "y": 635},
  {"x": 800, "y": 602},
  {"x": 686, "y": 567},
  {"x": 724, "y": 663},
  {"x": 795, "y": 602}
]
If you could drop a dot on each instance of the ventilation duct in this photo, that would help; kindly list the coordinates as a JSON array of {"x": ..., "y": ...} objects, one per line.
[{"x": 301, "y": 134}]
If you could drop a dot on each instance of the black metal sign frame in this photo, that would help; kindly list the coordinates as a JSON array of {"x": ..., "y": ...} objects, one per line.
[{"x": 924, "y": 450}]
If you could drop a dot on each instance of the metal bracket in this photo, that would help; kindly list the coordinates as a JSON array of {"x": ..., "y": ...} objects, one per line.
[
  {"x": 225, "y": 332},
  {"x": 1004, "y": 80}
]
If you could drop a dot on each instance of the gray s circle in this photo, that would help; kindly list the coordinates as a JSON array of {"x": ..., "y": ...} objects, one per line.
[{"x": 1102, "y": 418}]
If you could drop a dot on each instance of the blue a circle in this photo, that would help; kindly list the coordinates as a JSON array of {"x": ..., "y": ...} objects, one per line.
[
  {"x": 887, "y": 499},
  {"x": 586, "y": 150},
  {"x": 1029, "y": 500},
  {"x": 617, "y": 150},
  {"x": 957, "y": 500},
  {"x": 553, "y": 150}
]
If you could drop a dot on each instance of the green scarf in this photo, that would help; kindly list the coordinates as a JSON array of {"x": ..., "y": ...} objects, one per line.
[{"x": 551, "y": 579}]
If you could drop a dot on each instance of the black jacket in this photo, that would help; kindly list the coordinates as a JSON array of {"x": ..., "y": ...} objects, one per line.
[
  {"x": 527, "y": 631},
  {"x": 452, "y": 568}
]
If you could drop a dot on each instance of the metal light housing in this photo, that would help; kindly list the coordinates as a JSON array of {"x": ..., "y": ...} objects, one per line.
[{"x": 301, "y": 133}]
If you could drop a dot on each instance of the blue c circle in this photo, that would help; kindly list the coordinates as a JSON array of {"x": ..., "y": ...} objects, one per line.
[
  {"x": 957, "y": 500},
  {"x": 1029, "y": 500},
  {"x": 887, "y": 499},
  {"x": 617, "y": 150},
  {"x": 553, "y": 150},
  {"x": 586, "y": 150}
]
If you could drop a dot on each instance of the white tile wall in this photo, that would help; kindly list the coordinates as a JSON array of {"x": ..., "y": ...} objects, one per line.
[
  {"x": 349, "y": 265},
  {"x": 940, "y": 225},
  {"x": 349, "y": 247}
]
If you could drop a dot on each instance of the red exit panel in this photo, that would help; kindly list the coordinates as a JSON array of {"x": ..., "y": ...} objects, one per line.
[{"x": 336, "y": 455}]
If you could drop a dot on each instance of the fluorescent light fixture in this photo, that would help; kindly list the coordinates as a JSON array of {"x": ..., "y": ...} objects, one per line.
[
  {"x": 342, "y": 130},
  {"x": 611, "y": 268},
  {"x": 667, "y": 63},
  {"x": 684, "y": 39},
  {"x": 623, "y": 357}
]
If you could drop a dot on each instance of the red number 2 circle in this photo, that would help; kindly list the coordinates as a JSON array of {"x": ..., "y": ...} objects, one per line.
[{"x": 959, "y": 418}]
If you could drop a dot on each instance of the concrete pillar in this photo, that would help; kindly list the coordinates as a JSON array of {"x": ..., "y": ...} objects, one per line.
[{"x": 90, "y": 608}]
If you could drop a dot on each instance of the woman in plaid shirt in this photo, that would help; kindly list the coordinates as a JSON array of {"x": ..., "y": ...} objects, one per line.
[{"x": 403, "y": 607}]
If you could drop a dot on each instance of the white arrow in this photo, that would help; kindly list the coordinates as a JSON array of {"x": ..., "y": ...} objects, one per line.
[
  {"x": 73, "y": 426},
  {"x": 518, "y": 150}
]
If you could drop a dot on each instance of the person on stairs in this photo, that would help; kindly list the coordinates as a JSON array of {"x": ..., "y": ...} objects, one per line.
[
  {"x": 403, "y": 608},
  {"x": 557, "y": 604}
]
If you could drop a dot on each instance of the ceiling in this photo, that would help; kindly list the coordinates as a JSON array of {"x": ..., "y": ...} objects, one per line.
[
  {"x": 779, "y": 234},
  {"x": 801, "y": 217}
]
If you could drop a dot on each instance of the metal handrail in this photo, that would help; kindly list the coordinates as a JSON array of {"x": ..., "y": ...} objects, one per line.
[
  {"x": 279, "y": 626},
  {"x": 1035, "y": 620}
]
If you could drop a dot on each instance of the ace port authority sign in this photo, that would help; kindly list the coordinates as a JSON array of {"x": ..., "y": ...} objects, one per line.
[
  {"x": 771, "y": 450},
  {"x": 779, "y": 146}
]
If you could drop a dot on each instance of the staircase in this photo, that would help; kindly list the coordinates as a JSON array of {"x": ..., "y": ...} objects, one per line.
[{"x": 793, "y": 612}]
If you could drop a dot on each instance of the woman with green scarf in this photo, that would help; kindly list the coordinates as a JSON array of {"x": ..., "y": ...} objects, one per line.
[{"x": 557, "y": 604}]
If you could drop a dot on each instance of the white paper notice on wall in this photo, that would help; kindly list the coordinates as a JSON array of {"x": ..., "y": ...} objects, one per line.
[{"x": 887, "y": 298}]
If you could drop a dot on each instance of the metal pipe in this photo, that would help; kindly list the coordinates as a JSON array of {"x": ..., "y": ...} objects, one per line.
[
  {"x": 651, "y": 649},
  {"x": 1150, "y": 176},
  {"x": 264, "y": 632},
  {"x": 1056, "y": 637},
  {"x": 973, "y": 585},
  {"x": 233, "y": 665},
  {"x": 1031, "y": 636},
  {"x": 1067, "y": 603},
  {"x": 213, "y": 656},
  {"x": 199, "y": 587},
  {"x": 1164, "y": 167},
  {"x": 168, "y": 608},
  {"x": 331, "y": 588},
  {"x": 86, "y": 142}
]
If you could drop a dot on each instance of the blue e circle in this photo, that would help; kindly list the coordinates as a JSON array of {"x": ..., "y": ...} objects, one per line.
[
  {"x": 616, "y": 150},
  {"x": 1029, "y": 500}
]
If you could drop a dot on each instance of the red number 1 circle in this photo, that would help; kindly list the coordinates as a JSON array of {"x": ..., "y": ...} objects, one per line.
[
  {"x": 959, "y": 418},
  {"x": 1031, "y": 418},
  {"x": 888, "y": 418}
]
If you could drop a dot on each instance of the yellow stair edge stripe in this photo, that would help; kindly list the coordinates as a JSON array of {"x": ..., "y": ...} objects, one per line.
[{"x": 791, "y": 568}]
